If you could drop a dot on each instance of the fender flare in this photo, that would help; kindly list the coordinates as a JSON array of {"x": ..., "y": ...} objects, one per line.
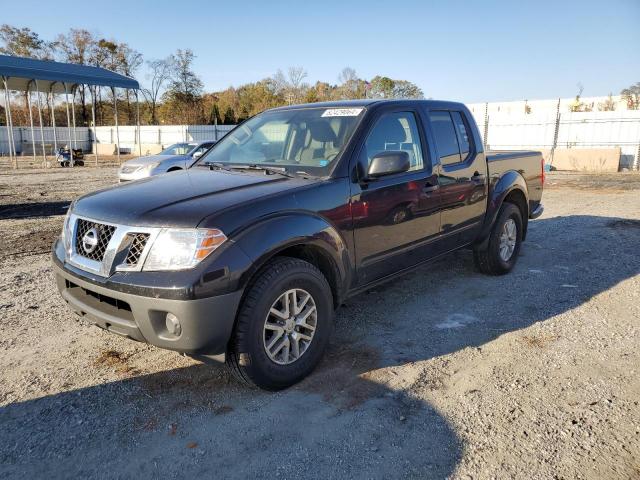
[
  {"x": 506, "y": 183},
  {"x": 267, "y": 238}
]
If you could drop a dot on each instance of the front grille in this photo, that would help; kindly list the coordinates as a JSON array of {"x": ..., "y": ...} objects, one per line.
[
  {"x": 104, "y": 234},
  {"x": 137, "y": 246}
]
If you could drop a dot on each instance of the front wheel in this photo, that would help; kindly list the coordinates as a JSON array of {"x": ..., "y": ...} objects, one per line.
[
  {"x": 500, "y": 253},
  {"x": 283, "y": 326}
]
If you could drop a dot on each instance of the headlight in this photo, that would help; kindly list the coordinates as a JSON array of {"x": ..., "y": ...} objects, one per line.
[
  {"x": 65, "y": 236},
  {"x": 178, "y": 249},
  {"x": 150, "y": 166}
]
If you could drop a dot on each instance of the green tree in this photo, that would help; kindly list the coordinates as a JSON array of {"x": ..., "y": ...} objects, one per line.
[
  {"x": 381, "y": 87},
  {"x": 631, "y": 95},
  {"x": 229, "y": 117},
  {"x": 406, "y": 89}
]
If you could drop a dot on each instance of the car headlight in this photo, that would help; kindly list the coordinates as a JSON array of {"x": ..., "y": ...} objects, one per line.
[
  {"x": 65, "y": 236},
  {"x": 150, "y": 166},
  {"x": 179, "y": 249}
]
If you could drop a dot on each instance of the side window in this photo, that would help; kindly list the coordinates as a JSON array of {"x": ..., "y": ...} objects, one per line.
[
  {"x": 396, "y": 131},
  {"x": 463, "y": 134},
  {"x": 200, "y": 150},
  {"x": 445, "y": 137}
]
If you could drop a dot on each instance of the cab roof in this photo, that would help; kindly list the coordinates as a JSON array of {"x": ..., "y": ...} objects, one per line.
[{"x": 370, "y": 101}]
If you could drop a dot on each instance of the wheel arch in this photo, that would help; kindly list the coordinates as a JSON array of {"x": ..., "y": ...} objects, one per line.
[
  {"x": 304, "y": 236},
  {"x": 511, "y": 187}
]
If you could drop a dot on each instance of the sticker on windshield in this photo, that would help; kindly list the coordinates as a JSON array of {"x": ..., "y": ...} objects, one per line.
[{"x": 342, "y": 112}]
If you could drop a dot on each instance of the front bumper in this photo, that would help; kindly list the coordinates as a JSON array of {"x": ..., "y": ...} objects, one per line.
[
  {"x": 136, "y": 175},
  {"x": 537, "y": 212},
  {"x": 206, "y": 323}
]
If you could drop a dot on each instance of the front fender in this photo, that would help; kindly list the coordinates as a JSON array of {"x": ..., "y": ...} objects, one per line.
[
  {"x": 265, "y": 239},
  {"x": 501, "y": 187}
]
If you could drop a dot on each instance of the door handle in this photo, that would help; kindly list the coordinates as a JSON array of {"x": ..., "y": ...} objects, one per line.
[
  {"x": 430, "y": 188},
  {"x": 477, "y": 178}
]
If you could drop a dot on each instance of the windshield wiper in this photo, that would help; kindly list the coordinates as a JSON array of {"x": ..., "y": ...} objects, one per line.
[
  {"x": 267, "y": 170},
  {"x": 215, "y": 166}
]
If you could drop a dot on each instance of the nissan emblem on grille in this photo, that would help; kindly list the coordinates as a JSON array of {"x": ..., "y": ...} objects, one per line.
[{"x": 90, "y": 240}]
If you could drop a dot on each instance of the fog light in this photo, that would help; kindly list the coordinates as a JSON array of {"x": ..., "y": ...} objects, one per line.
[{"x": 173, "y": 325}]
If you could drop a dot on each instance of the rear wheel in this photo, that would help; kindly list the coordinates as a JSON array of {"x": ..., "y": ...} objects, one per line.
[
  {"x": 283, "y": 326},
  {"x": 500, "y": 254}
]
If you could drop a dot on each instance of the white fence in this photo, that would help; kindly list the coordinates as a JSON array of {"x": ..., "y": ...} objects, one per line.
[
  {"x": 153, "y": 135},
  {"x": 509, "y": 131},
  {"x": 504, "y": 131}
]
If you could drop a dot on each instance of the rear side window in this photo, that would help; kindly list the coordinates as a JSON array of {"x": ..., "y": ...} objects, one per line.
[
  {"x": 463, "y": 134},
  {"x": 445, "y": 137}
]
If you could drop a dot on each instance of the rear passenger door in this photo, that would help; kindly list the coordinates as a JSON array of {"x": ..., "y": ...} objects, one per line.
[{"x": 462, "y": 176}]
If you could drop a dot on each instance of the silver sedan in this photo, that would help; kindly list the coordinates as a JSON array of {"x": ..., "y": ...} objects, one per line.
[{"x": 179, "y": 156}]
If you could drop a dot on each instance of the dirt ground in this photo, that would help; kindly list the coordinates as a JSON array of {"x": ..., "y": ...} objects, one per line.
[{"x": 444, "y": 373}]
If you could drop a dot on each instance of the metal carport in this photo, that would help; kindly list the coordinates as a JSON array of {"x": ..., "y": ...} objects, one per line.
[{"x": 48, "y": 77}]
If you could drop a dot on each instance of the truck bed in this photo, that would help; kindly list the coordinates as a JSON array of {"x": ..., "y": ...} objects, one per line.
[{"x": 527, "y": 162}]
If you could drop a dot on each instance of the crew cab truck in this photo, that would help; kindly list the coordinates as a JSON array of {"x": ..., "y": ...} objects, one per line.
[{"x": 246, "y": 255}]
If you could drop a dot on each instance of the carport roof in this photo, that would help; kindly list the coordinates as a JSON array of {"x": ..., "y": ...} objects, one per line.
[{"x": 52, "y": 76}]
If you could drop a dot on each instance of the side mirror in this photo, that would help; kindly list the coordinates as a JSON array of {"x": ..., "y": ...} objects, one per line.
[
  {"x": 388, "y": 163},
  {"x": 198, "y": 154}
]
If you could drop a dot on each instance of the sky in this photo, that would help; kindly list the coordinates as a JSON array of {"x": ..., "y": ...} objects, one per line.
[{"x": 470, "y": 51}]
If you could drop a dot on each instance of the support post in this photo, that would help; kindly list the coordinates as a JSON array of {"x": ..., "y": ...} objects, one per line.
[
  {"x": 33, "y": 135},
  {"x": 555, "y": 134},
  {"x": 73, "y": 115},
  {"x": 13, "y": 154},
  {"x": 53, "y": 121},
  {"x": 44, "y": 149},
  {"x": 94, "y": 142},
  {"x": 6, "y": 115},
  {"x": 138, "y": 123},
  {"x": 66, "y": 98},
  {"x": 115, "y": 116}
]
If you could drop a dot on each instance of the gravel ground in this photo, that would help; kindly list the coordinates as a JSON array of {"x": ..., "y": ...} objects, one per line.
[{"x": 445, "y": 373}]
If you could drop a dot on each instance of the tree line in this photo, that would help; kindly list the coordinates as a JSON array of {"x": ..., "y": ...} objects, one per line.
[{"x": 172, "y": 92}]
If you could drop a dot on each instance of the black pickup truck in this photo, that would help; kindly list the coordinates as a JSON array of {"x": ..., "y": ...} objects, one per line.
[{"x": 246, "y": 255}]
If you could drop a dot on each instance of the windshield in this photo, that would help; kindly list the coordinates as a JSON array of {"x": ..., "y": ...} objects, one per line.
[
  {"x": 179, "y": 149},
  {"x": 300, "y": 140}
]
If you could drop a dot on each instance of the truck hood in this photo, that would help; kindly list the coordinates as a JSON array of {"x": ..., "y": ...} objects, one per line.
[{"x": 180, "y": 199}]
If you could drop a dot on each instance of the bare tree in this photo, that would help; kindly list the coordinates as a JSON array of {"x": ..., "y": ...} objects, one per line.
[
  {"x": 129, "y": 61},
  {"x": 184, "y": 94},
  {"x": 23, "y": 42},
  {"x": 296, "y": 81},
  {"x": 348, "y": 80},
  {"x": 159, "y": 74},
  {"x": 76, "y": 47}
]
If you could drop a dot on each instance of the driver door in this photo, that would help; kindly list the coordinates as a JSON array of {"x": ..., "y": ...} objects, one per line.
[{"x": 396, "y": 217}]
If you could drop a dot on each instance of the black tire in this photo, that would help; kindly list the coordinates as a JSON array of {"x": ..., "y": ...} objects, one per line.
[
  {"x": 488, "y": 259},
  {"x": 246, "y": 355}
]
